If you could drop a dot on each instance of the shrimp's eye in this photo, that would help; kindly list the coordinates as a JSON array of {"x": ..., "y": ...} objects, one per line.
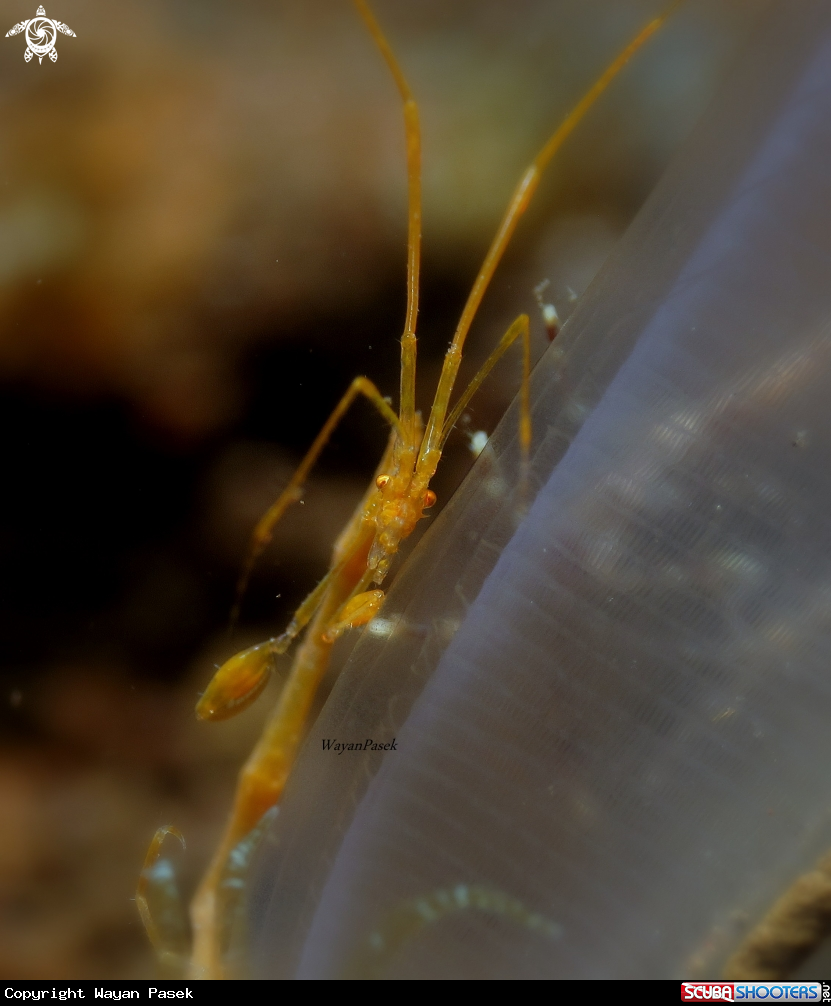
[
  {"x": 429, "y": 499},
  {"x": 381, "y": 481}
]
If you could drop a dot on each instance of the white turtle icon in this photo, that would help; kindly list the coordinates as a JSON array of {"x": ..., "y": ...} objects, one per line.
[{"x": 41, "y": 32}]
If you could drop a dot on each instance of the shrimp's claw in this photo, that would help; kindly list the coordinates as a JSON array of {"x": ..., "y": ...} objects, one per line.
[
  {"x": 160, "y": 904},
  {"x": 358, "y": 610},
  {"x": 237, "y": 683}
]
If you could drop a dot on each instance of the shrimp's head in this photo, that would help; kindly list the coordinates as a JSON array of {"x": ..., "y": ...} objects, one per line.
[{"x": 399, "y": 508}]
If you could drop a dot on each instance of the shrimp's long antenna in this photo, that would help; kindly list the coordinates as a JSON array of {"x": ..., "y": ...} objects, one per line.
[
  {"x": 413, "y": 134},
  {"x": 431, "y": 444}
]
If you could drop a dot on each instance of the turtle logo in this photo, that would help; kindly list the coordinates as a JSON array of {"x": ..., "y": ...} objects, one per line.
[{"x": 41, "y": 32}]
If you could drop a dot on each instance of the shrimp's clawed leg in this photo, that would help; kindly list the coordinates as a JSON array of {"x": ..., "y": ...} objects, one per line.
[
  {"x": 294, "y": 490},
  {"x": 160, "y": 904},
  {"x": 357, "y": 611},
  {"x": 241, "y": 679},
  {"x": 237, "y": 683}
]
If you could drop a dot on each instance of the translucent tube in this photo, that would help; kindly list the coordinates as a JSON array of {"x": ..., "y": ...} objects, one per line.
[{"x": 610, "y": 690}]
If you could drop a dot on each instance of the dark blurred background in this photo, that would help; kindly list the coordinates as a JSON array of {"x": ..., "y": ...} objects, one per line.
[{"x": 202, "y": 240}]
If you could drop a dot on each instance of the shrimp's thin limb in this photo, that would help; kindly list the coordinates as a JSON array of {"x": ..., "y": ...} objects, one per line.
[
  {"x": 304, "y": 613},
  {"x": 165, "y": 923},
  {"x": 430, "y": 447},
  {"x": 519, "y": 328},
  {"x": 413, "y": 135},
  {"x": 265, "y": 528}
]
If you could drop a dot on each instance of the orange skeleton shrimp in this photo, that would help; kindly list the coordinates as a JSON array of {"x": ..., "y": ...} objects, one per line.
[{"x": 349, "y": 595}]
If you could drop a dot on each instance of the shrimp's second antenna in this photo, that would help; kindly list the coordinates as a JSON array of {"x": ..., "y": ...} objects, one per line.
[{"x": 350, "y": 595}]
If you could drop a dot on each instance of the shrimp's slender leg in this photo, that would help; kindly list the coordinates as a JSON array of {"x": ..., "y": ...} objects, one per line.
[
  {"x": 301, "y": 617},
  {"x": 431, "y": 444},
  {"x": 264, "y": 529},
  {"x": 519, "y": 328}
]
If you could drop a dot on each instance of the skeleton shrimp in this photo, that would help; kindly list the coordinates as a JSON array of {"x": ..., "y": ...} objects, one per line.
[{"x": 350, "y": 595}]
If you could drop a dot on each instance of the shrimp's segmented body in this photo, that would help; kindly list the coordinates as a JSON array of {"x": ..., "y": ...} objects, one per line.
[{"x": 350, "y": 594}]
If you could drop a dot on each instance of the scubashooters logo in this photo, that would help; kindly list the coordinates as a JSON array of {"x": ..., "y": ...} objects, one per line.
[
  {"x": 734, "y": 992},
  {"x": 330, "y": 744}
]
